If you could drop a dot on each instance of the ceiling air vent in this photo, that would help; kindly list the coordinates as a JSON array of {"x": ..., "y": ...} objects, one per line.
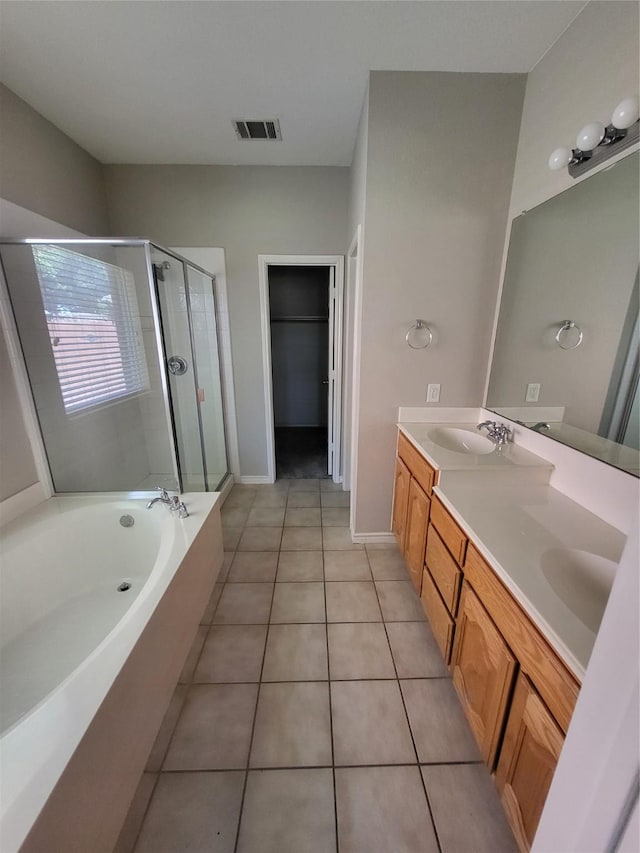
[{"x": 267, "y": 129}]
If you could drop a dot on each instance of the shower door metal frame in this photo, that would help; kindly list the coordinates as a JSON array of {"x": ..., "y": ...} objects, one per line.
[{"x": 23, "y": 382}]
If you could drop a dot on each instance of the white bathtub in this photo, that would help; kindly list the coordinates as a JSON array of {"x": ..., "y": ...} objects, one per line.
[{"x": 66, "y": 633}]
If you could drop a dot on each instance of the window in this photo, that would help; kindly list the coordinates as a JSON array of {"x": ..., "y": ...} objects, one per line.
[{"x": 92, "y": 318}]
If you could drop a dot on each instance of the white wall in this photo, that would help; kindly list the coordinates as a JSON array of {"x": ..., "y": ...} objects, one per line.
[
  {"x": 441, "y": 149},
  {"x": 248, "y": 211}
]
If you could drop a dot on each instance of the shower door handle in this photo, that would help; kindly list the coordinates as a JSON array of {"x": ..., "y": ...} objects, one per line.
[
  {"x": 325, "y": 381},
  {"x": 177, "y": 365}
]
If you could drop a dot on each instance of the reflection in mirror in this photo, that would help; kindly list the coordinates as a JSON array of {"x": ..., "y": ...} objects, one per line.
[{"x": 574, "y": 259}]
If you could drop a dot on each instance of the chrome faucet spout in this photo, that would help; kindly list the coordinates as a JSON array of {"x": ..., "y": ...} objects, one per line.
[
  {"x": 172, "y": 501},
  {"x": 498, "y": 433},
  {"x": 541, "y": 425}
]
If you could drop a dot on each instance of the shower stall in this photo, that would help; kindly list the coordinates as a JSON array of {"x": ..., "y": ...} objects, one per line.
[{"x": 120, "y": 345}]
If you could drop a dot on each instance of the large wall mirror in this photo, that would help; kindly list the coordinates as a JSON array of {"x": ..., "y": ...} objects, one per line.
[{"x": 565, "y": 359}]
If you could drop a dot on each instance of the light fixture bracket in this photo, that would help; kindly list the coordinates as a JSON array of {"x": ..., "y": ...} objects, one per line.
[{"x": 615, "y": 140}]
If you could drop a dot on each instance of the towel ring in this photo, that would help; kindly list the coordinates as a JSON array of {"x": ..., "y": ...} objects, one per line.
[
  {"x": 419, "y": 326},
  {"x": 566, "y": 327}
]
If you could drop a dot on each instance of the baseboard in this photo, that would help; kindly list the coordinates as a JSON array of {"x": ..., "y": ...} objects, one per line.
[
  {"x": 373, "y": 538},
  {"x": 254, "y": 481}
]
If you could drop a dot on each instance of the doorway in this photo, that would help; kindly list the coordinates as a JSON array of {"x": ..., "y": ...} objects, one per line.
[{"x": 301, "y": 302}]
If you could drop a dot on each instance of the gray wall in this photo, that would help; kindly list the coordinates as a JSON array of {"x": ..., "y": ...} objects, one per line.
[
  {"x": 569, "y": 87},
  {"x": 441, "y": 152},
  {"x": 44, "y": 170},
  {"x": 248, "y": 211}
]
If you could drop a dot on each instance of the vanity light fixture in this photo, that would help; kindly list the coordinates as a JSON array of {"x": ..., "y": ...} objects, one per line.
[{"x": 595, "y": 143}]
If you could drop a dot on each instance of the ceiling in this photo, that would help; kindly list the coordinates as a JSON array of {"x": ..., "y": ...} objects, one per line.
[{"x": 160, "y": 82}]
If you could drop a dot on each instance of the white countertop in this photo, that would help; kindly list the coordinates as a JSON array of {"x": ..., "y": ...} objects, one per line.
[
  {"x": 506, "y": 457},
  {"x": 517, "y": 521}
]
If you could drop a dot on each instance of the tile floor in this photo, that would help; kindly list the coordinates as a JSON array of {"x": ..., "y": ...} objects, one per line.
[{"x": 314, "y": 713}]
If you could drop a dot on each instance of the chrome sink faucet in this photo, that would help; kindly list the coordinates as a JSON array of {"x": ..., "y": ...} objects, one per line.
[
  {"x": 498, "y": 433},
  {"x": 172, "y": 501}
]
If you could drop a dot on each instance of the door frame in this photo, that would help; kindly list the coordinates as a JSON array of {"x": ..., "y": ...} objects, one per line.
[{"x": 337, "y": 262}]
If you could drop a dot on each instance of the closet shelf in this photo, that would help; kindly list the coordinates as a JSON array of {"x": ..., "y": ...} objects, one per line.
[{"x": 315, "y": 319}]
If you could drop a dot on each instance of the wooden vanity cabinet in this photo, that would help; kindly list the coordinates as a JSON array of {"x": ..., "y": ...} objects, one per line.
[
  {"x": 483, "y": 670},
  {"x": 528, "y": 759},
  {"x": 517, "y": 694},
  {"x": 411, "y": 506}
]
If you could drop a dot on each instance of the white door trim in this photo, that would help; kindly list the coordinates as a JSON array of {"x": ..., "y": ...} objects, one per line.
[
  {"x": 264, "y": 261},
  {"x": 355, "y": 253}
]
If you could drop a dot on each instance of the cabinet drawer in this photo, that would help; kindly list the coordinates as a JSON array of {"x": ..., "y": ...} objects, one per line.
[
  {"x": 441, "y": 622},
  {"x": 551, "y": 678},
  {"x": 450, "y": 533},
  {"x": 416, "y": 463},
  {"x": 443, "y": 569}
]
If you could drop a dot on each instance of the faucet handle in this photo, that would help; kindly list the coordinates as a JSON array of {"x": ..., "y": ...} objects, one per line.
[
  {"x": 176, "y": 505},
  {"x": 164, "y": 494}
]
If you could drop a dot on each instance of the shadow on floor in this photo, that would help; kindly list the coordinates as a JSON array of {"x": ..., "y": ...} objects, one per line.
[{"x": 301, "y": 452}]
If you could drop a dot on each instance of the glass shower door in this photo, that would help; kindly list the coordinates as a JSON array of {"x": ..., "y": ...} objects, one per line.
[
  {"x": 209, "y": 391},
  {"x": 173, "y": 299}
]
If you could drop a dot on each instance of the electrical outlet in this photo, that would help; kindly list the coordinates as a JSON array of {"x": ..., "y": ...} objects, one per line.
[
  {"x": 533, "y": 392},
  {"x": 433, "y": 393}
]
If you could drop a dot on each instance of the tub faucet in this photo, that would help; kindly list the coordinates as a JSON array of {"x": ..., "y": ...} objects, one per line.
[
  {"x": 540, "y": 426},
  {"x": 499, "y": 433},
  {"x": 172, "y": 501}
]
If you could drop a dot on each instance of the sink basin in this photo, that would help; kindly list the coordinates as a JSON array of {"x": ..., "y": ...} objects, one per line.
[
  {"x": 461, "y": 441},
  {"x": 581, "y": 580}
]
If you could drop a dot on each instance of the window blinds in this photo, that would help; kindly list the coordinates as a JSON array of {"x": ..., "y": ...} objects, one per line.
[{"x": 94, "y": 328}]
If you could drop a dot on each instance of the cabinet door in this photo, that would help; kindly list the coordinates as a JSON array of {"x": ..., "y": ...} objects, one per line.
[
  {"x": 483, "y": 670},
  {"x": 528, "y": 759},
  {"x": 416, "y": 534},
  {"x": 400, "y": 502}
]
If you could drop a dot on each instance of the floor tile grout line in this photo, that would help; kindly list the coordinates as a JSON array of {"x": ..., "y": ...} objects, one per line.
[
  {"x": 413, "y": 740},
  {"x": 315, "y": 680},
  {"x": 333, "y": 756},
  {"x": 253, "y": 726},
  {"x": 266, "y": 767}
]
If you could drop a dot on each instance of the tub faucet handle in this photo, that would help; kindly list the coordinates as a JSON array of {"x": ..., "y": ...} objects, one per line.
[
  {"x": 164, "y": 494},
  {"x": 176, "y": 505}
]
